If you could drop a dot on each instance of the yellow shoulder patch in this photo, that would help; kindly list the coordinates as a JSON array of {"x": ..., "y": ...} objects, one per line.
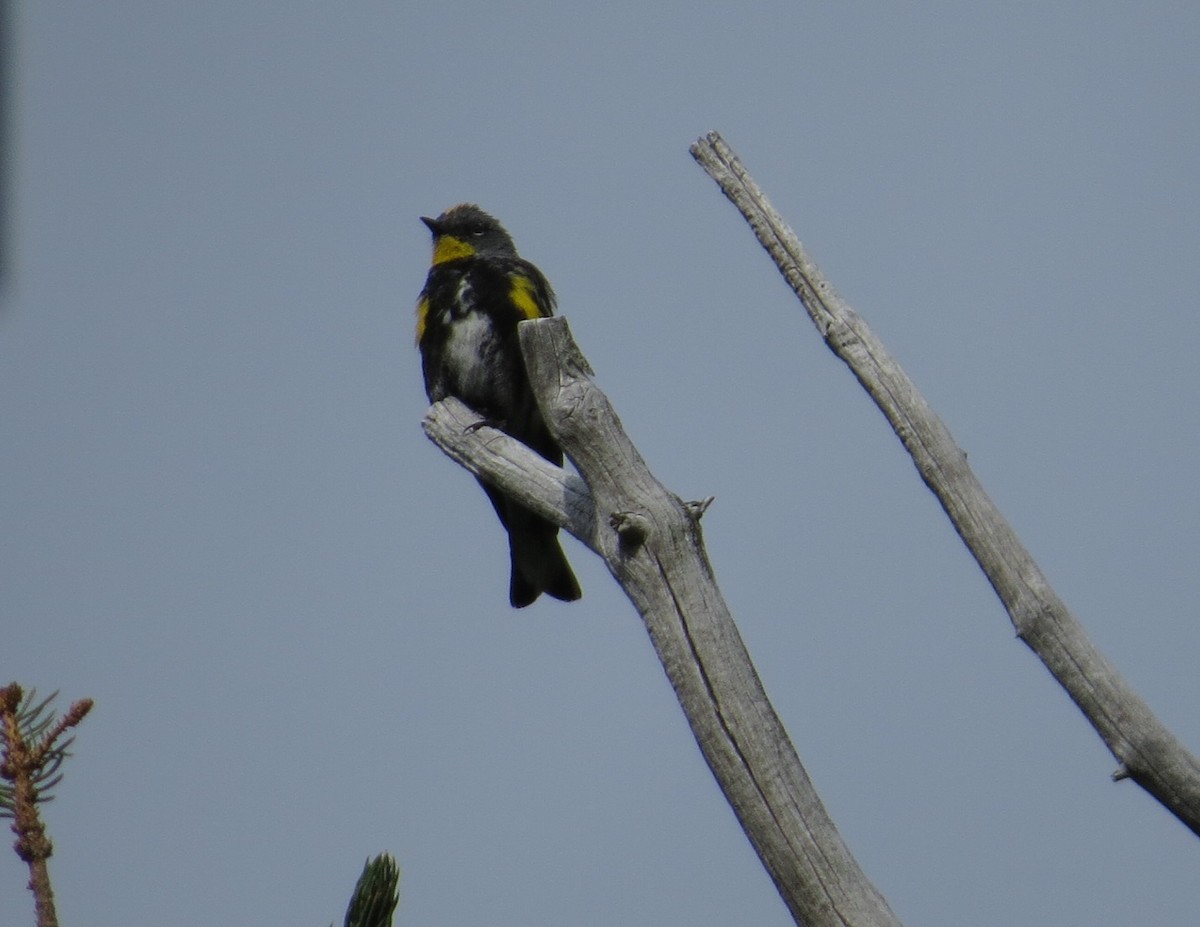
[
  {"x": 422, "y": 315},
  {"x": 522, "y": 296},
  {"x": 449, "y": 248}
]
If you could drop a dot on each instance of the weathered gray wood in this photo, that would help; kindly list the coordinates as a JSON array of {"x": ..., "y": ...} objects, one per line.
[
  {"x": 1147, "y": 752},
  {"x": 652, "y": 544},
  {"x": 550, "y": 491}
]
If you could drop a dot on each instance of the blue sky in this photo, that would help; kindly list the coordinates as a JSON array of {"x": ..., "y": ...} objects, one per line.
[{"x": 221, "y": 521}]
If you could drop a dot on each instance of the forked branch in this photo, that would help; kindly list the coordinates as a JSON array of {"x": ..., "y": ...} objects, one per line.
[{"x": 651, "y": 542}]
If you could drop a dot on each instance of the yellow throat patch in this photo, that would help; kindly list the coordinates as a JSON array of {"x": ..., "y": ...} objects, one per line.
[{"x": 449, "y": 248}]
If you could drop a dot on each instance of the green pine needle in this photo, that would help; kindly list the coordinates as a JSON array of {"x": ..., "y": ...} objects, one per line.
[
  {"x": 376, "y": 894},
  {"x": 35, "y": 720}
]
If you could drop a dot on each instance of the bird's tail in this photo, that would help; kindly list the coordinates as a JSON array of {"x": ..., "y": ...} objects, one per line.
[{"x": 538, "y": 562}]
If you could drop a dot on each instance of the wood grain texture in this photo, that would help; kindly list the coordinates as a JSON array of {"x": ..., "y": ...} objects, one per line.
[
  {"x": 1147, "y": 752},
  {"x": 651, "y": 542}
]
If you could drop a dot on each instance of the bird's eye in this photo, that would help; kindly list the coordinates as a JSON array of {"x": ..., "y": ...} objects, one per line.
[{"x": 478, "y": 230}]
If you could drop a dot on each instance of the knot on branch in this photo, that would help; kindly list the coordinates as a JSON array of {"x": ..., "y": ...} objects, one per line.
[{"x": 32, "y": 845}]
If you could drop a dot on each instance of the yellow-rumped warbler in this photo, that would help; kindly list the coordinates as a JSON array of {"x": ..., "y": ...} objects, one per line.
[{"x": 477, "y": 290}]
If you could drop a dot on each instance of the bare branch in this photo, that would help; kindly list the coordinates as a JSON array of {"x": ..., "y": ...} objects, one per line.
[
  {"x": 550, "y": 491},
  {"x": 1147, "y": 752},
  {"x": 652, "y": 544}
]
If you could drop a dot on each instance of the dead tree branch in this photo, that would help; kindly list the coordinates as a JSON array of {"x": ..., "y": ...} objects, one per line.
[
  {"x": 1147, "y": 752},
  {"x": 652, "y": 544}
]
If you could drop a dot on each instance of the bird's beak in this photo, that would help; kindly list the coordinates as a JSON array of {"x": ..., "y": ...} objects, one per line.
[{"x": 432, "y": 224}]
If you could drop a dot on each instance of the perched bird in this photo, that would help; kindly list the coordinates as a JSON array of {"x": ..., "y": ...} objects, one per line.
[{"x": 476, "y": 292}]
